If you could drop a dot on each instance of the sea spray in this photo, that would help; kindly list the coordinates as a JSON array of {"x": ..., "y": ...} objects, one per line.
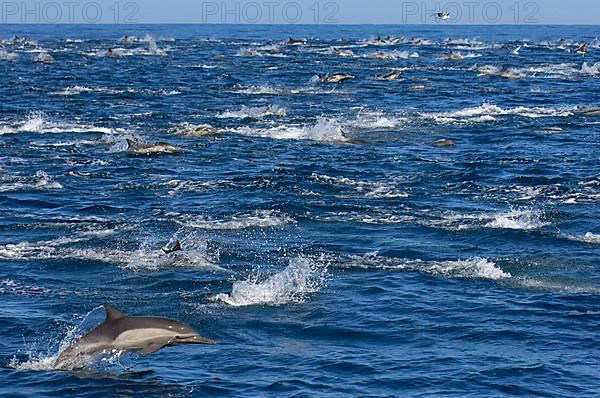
[{"x": 301, "y": 278}]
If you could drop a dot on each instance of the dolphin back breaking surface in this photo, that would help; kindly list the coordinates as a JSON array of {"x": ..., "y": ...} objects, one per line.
[{"x": 120, "y": 333}]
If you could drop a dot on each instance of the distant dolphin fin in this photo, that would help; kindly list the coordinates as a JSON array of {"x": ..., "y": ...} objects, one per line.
[
  {"x": 150, "y": 348},
  {"x": 130, "y": 142},
  {"x": 176, "y": 247},
  {"x": 112, "y": 314}
]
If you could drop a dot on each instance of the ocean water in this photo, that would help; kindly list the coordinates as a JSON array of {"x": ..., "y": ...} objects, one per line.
[{"x": 331, "y": 244}]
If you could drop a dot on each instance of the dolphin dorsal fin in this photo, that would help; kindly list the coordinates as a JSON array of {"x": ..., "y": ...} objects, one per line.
[
  {"x": 112, "y": 314},
  {"x": 130, "y": 143}
]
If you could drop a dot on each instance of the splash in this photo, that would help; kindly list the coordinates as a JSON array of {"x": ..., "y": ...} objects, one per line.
[
  {"x": 325, "y": 130},
  {"x": 37, "y": 122},
  {"x": 472, "y": 268},
  {"x": 593, "y": 70},
  {"x": 518, "y": 219},
  {"x": 149, "y": 256},
  {"x": 294, "y": 284},
  {"x": 44, "y": 361}
]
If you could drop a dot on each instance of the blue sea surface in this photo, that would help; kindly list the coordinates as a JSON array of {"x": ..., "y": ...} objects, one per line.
[{"x": 431, "y": 234}]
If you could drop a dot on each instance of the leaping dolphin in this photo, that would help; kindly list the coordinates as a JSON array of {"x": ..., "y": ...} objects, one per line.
[
  {"x": 582, "y": 48},
  {"x": 121, "y": 333},
  {"x": 336, "y": 77}
]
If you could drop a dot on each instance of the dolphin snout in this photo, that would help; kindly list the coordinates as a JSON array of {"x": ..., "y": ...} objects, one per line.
[{"x": 196, "y": 339}]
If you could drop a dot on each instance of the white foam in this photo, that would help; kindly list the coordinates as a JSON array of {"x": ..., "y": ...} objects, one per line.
[
  {"x": 262, "y": 90},
  {"x": 589, "y": 237},
  {"x": 278, "y": 91},
  {"x": 258, "y": 219},
  {"x": 325, "y": 130},
  {"x": 376, "y": 120},
  {"x": 518, "y": 219},
  {"x": 477, "y": 267},
  {"x": 377, "y": 218},
  {"x": 593, "y": 70},
  {"x": 260, "y": 52},
  {"x": 473, "y": 268},
  {"x": 301, "y": 278},
  {"x": 9, "y": 286},
  {"x": 34, "y": 250},
  {"x": 45, "y": 361},
  {"x": 372, "y": 190},
  {"x": 41, "y": 181},
  {"x": 257, "y": 112},
  {"x": 570, "y": 287},
  {"x": 392, "y": 55},
  {"x": 7, "y": 56},
  {"x": 487, "y": 112},
  {"x": 76, "y": 90},
  {"x": 37, "y": 122},
  {"x": 148, "y": 257}
]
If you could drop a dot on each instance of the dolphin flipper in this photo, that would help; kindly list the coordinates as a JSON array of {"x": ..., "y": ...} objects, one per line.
[{"x": 150, "y": 348}]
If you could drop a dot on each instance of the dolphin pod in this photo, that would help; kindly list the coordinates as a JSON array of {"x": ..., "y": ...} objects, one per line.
[{"x": 120, "y": 333}]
